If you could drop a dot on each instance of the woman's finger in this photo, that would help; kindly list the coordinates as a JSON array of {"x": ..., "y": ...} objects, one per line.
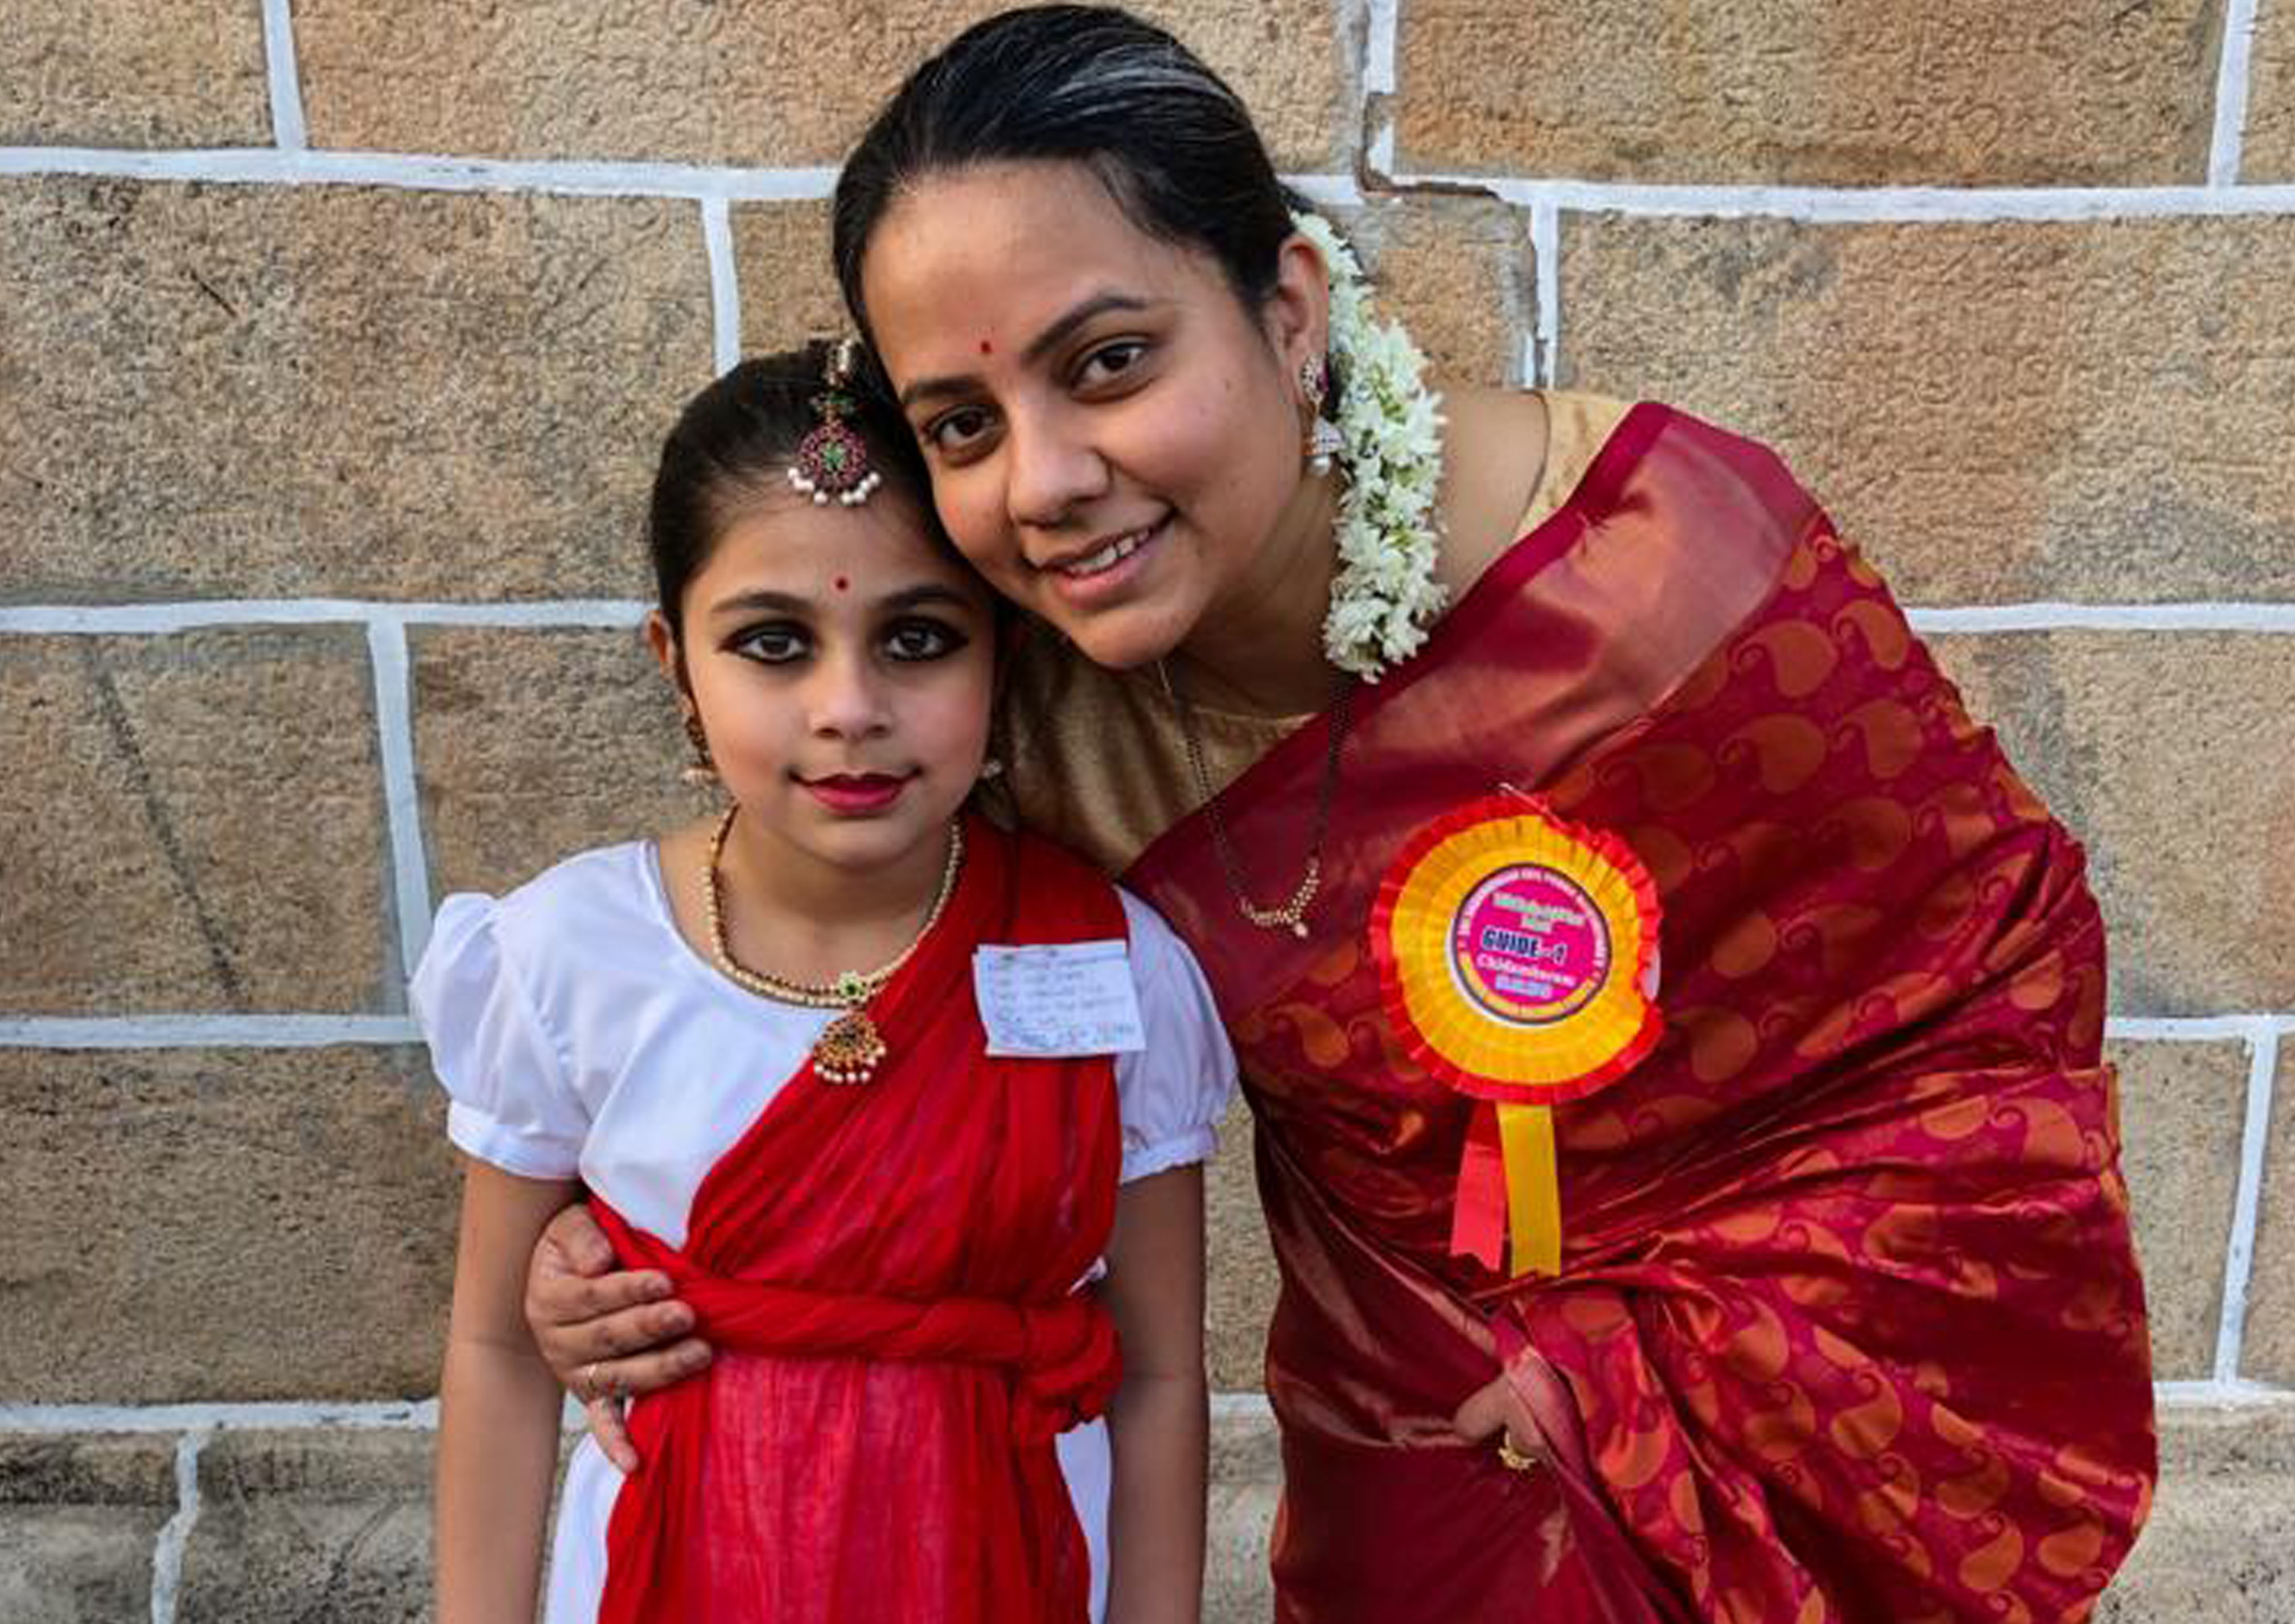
[
  {"x": 611, "y": 1430},
  {"x": 607, "y": 1377},
  {"x": 581, "y": 1244},
  {"x": 1484, "y": 1413}
]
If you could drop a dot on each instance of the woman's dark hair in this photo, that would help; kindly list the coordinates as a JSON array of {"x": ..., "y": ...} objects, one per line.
[
  {"x": 734, "y": 443},
  {"x": 1092, "y": 85}
]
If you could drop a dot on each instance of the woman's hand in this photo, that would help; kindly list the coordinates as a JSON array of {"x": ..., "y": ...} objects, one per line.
[
  {"x": 1497, "y": 1411},
  {"x": 602, "y": 1330}
]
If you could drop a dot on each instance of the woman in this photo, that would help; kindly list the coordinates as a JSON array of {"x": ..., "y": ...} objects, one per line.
[{"x": 1841, "y": 1321}]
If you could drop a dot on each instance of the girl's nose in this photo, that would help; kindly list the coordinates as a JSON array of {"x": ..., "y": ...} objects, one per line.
[{"x": 847, "y": 696}]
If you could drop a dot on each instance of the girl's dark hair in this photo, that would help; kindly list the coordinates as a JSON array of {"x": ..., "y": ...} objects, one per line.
[
  {"x": 734, "y": 443},
  {"x": 1092, "y": 85}
]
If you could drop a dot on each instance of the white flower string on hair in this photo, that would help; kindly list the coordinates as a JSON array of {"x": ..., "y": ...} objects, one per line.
[{"x": 1384, "y": 595}]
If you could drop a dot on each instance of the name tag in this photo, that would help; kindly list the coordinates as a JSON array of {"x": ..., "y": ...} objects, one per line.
[{"x": 1062, "y": 998}]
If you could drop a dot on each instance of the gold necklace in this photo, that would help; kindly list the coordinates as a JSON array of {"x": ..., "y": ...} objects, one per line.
[
  {"x": 849, "y": 1047},
  {"x": 1290, "y": 914}
]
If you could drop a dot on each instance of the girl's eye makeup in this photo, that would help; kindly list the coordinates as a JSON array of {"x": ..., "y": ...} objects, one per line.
[
  {"x": 919, "y": 638},
  {"x": 775, "y": 643}
]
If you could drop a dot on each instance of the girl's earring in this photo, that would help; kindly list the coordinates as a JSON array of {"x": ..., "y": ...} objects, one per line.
[
  {"x": 992, "y": 768},
  {"x": 1319, "y": 440},
  {"x": 703, "y": 768}
]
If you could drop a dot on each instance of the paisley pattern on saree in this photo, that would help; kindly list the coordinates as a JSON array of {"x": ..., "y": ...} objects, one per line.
[{"x": 1847, "y": 1303}]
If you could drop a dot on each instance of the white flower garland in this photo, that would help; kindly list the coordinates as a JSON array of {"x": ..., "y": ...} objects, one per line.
[{"x": 1384, "y": 595}]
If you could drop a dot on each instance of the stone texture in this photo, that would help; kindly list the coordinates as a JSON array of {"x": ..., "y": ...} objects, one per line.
[
  {"x": 1240, "y": 1283},
  {"x": 2268, "y": 151},
  {"x": 1459, "y": 274},
  {"x": 297, "y": 1526},
  {"x": 2267, "y": 1352},
  {"x": 2181, "y": 1109},
  {"x": 1865, "y": 93},
  {"x": 793, "y": 83},
  {"x": 2169, "y": 756},
  {"x": 788, "y": 290},
  {"x": 78, "y": 1515},
  {"x": 2000, "y": 412},
  {"x": 193, "y": 822},
  {"x": 2220, "y": 1545},
  {"x": 220, "y": 1224},
  {"x": 1246, "y": 1479},
  {"x": 532, "y": 745},
  {"x": 321, "y": 391},
  {"x": 134, "y": 73}
]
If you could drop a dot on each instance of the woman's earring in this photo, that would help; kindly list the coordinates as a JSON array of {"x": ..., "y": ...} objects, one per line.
[
  {"x": 1319, "y": 440},
  {"x": 703, "y": 768},
  {"x": 992, "y": 768}
]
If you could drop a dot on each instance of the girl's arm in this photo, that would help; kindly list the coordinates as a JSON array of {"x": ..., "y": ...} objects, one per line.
[
  {"x": 1159, "y": 1426},
  {"x": 498, "y": 1408}
]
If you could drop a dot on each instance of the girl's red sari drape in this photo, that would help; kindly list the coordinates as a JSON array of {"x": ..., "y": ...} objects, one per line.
[
  {"x": 885, "y": 1271},
  {"x": 1848, "y": 1326}
]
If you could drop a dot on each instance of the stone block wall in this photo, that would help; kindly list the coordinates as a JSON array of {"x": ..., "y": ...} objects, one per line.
[{"x": 336, "y": 336}]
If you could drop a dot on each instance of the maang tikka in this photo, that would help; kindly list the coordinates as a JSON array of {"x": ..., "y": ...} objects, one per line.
[{"x": 833, "y": 461}]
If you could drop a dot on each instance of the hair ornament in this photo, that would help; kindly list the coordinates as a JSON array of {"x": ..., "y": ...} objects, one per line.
[{"x": 832, "y": 460}]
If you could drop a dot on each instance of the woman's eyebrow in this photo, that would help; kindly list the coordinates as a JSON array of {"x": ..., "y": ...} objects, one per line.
[{"x": 1057, "y": 332}]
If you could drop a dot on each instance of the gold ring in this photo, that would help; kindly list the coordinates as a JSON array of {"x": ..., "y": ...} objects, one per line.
[
  {"x": 585, "y": 1382},
  {"x": 1512, "y": 1458}
]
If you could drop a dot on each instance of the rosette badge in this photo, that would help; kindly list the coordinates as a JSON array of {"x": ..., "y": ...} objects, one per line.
[{"x": 1518, "y": 955}]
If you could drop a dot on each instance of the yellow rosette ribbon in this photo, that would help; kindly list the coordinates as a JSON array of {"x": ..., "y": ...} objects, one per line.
[{"x": 1518, "y": 954}]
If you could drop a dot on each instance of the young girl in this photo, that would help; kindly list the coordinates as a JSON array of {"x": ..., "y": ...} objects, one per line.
[{"x": 828, "y": 1063}]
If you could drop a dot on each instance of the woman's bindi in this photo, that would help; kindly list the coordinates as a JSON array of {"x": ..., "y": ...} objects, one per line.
[
  {"x": 841, "y": 584},
  {"x": 986, "y": 349}
]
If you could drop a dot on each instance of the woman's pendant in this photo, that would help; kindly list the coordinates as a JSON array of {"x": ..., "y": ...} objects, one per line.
[{"x": 848, "y": 1049}]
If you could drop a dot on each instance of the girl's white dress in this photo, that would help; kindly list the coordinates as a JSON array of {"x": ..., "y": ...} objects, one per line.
[{"x": 573, "y": 1028}]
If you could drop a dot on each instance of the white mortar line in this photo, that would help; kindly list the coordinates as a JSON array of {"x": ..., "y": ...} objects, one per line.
[
  {"x": 2215, "y": 1394},
  {"x": 1245, "y": 1405},
  {"x": 123, "y": 619},
  {"x": 615, "y": 613},
  {"x": 1332, "y": 191},
  {"x": 2232, "y": 76},
  {"x": 2269, "y": 617},
  {"x": 1381, "y": 26},
  {"x": 444, "y": 172},
  {"x": 1544, "y": 343},
  {"x": 2239, "y": 1258},
  {"x": 427, "y": 172},
  {"x": 205, "y": 1418},
  {"x": 1871, "y": 204},
  {"x": 2197, "y": 1029},
  {"x": 394, "y": 722},
  {"x": 286, "y": 78},
  {"x": 176, "y": 1533},
  {"x": 64, "y": 1419},
  {"x": 724, "y": 281},
  {"x": 206, "y": 1031}
]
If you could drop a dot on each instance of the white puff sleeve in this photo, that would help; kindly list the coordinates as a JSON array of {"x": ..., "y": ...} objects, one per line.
[
  {"x": 512, "y": 1106},
  {"x": 1171, "y": 1093}
]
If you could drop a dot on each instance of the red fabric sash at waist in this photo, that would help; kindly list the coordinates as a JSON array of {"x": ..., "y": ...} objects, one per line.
[{"x": 1062, "y": 1356}]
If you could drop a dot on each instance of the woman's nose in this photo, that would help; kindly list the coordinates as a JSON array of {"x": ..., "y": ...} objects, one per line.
[{"x": 1053, "y": 469}]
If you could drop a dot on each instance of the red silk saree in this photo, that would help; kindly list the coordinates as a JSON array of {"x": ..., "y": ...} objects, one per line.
[
  {"x": 886, "y": 1272},
  {"x": 1847, "y": 1325}
]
